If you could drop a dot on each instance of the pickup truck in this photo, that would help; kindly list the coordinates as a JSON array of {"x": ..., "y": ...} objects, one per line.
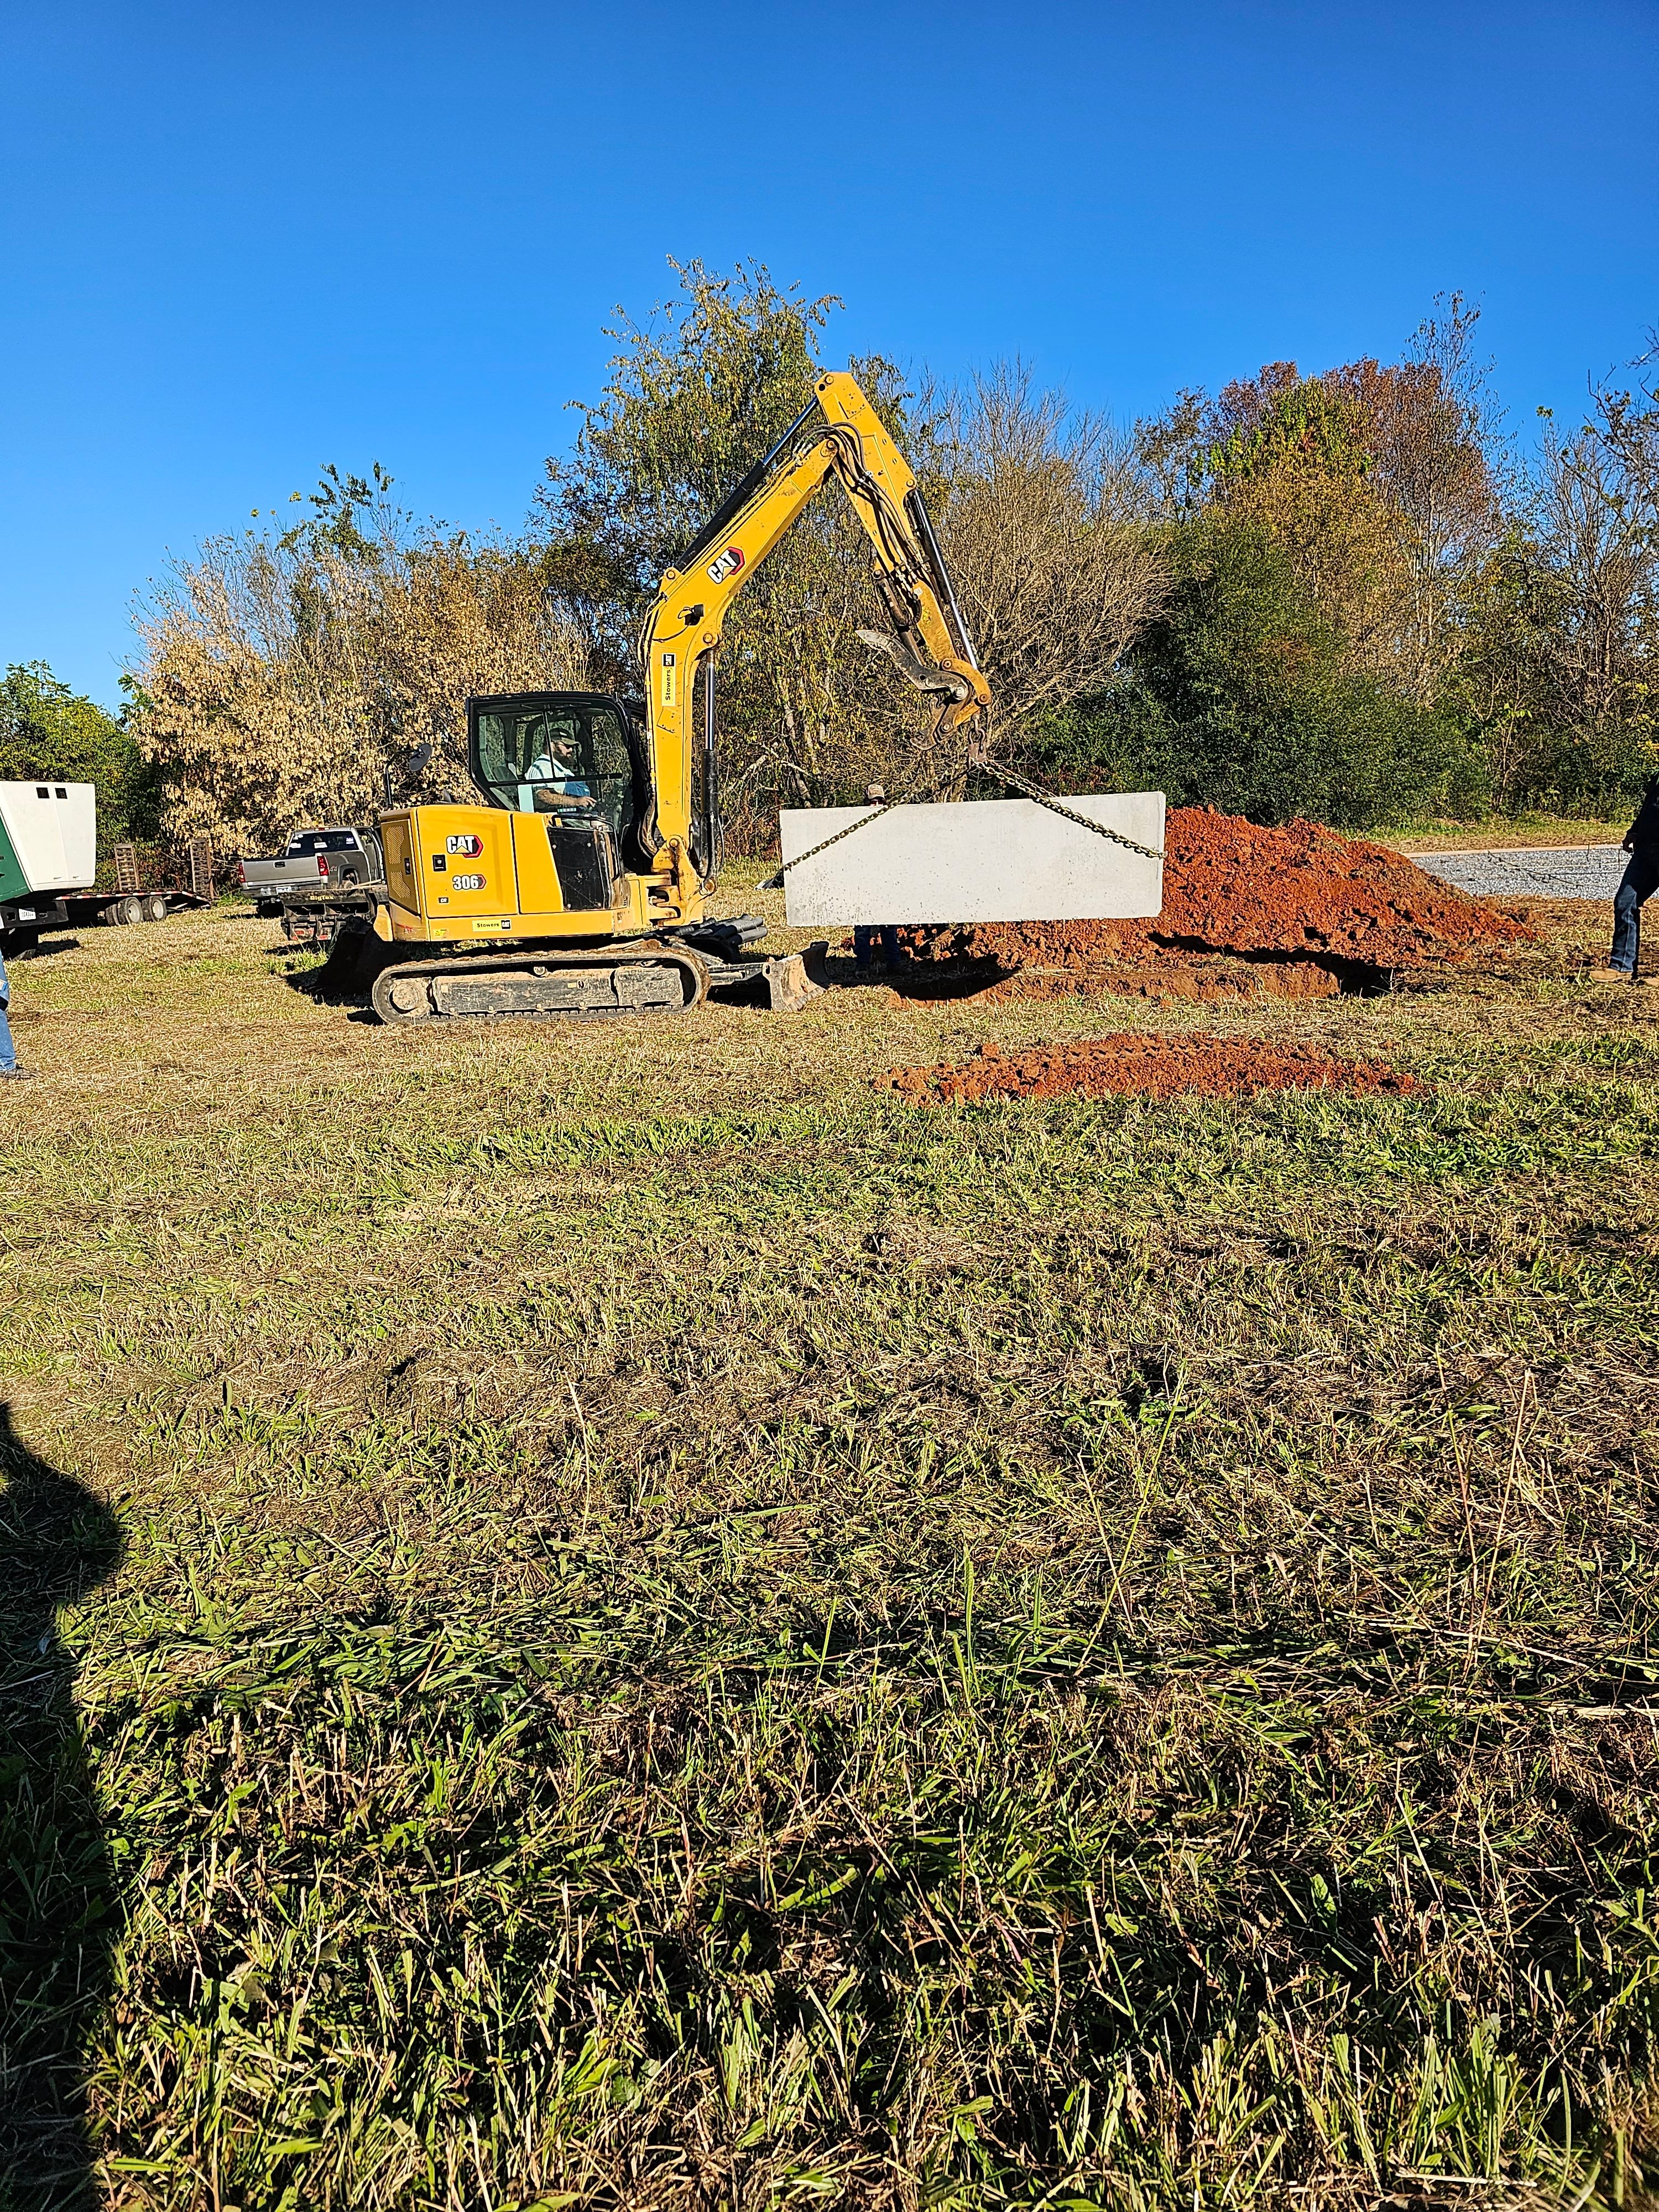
[{"x": 315, "y": 860}]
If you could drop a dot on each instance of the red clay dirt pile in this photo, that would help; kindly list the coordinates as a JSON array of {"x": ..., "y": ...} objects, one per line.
[
  {"x": 1130, "y": 1066},
  {"x": 1298, "y": 912}
]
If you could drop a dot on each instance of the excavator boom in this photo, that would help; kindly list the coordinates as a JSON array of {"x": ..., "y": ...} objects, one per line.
[{"x": 928, "y": 639}]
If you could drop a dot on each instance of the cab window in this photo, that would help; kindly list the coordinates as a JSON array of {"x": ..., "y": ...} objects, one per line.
[{"x": 567, "y": 757}]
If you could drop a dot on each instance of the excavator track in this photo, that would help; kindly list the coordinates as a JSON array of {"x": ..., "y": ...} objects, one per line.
[{"x": 543, "y": 983}]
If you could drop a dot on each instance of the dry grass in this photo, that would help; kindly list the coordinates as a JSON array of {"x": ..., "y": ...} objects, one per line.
[{"x": 612, "y": 1618}]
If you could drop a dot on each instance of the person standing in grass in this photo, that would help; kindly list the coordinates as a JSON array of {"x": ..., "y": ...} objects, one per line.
[
  {"x": 8, "y": 1067},
  {"x": 1641, "y": 880}
]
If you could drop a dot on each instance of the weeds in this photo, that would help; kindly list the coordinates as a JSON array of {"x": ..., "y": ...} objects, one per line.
[{"x": 690, "y": 1636}]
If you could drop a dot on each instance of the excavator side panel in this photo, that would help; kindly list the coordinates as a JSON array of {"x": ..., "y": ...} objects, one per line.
[
  {"x": 403, "y": 882},
  {"x": 466, "y": 872},
  {"x": 464, "y": 859},
  {"x": 532, "y": 852}
]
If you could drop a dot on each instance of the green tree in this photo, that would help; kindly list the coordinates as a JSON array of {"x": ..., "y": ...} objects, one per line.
[
  {"x": 1242, "y": 694},
  {"x": 47, "y": 730},
  {"x": 698, "y": 393}
]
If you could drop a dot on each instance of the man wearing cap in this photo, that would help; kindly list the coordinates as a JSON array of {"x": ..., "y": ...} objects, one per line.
[{"x": 867, "y": 934}]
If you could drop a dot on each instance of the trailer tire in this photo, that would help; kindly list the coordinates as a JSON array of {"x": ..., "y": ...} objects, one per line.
[{"x": 155, "y": 907}]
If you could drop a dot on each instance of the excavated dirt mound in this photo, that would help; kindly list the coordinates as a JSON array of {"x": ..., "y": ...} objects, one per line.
[
  {"x": 1130, "y": 1066},
  {"x": 1299, "y": 912}
]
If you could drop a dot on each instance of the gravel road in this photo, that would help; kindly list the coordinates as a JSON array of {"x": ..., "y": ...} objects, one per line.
[{"x": 1584, "y": 871}]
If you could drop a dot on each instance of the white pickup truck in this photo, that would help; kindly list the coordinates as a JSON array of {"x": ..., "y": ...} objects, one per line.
[{"x": 327, "y": 860}]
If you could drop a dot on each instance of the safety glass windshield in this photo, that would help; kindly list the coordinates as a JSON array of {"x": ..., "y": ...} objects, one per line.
[{"x": 567, "y": 758}]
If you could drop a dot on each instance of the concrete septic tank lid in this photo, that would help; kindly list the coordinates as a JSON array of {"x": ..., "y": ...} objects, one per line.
[{"x": 999, "y": 860}]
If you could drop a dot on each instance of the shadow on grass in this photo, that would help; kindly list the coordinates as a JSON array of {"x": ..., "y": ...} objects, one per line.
[
  {"x": 42, "y": 948},
  {"x": 57, "y": 1908},
  {"x": 925, "y": 980}
]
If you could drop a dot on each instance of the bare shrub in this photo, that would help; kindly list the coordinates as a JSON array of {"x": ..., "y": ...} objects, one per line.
[{"x": 1046, "y": 525}]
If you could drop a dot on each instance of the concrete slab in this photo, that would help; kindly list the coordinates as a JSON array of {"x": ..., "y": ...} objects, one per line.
[{"x": 998, "y": 859}]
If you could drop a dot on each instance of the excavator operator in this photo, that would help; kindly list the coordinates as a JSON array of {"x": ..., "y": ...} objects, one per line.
[{"x": 558, "y": 772}]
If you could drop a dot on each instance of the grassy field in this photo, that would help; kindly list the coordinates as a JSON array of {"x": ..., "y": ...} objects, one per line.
[
  {"x": 615, "y": 1619},
  {"x": 1432, "y": 835}
]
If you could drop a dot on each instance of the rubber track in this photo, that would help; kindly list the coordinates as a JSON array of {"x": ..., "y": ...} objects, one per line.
[{"x": 547, "y": 958}]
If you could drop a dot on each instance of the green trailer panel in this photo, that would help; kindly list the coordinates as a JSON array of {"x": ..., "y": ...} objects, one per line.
[{"x": 13, "y": 883}]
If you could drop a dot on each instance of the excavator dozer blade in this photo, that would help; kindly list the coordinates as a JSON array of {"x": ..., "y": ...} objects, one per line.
[
  {"x": 786, "y": 984},
  {"x": 781, "y": 985}
]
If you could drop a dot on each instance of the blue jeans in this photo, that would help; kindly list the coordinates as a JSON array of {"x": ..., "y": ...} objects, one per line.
[
  {"x": 1641, "y": 880},
  {"x": 865, "y": 934},
  {"x": 8, "y": 1049}
]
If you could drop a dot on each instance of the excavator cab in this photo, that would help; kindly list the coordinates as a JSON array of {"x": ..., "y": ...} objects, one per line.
[{"x": 577, "y": 756}]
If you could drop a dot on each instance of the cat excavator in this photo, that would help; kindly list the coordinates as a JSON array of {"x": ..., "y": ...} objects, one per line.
[{"x": 595, "y": 839}]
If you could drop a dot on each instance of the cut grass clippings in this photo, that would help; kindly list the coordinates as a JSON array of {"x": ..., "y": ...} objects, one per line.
[{"x": 617, "y": 1620}]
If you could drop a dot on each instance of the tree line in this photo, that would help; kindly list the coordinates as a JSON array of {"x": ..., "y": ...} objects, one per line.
[{"x": 1346, "y": 594}]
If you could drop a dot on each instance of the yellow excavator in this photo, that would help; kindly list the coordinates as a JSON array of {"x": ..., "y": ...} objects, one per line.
[{"x": 587, "y": 861}]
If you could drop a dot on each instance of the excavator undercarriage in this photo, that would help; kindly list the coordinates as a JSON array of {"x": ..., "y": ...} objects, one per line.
[
  {"x": 583, "y": 986},
  {"x": 648, "y": 976}
]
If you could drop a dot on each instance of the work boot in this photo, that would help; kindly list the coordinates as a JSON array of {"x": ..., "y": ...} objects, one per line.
[{"x": 16, "y": 1075}]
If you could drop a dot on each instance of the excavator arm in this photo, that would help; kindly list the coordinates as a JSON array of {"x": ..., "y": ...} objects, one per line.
[{"x": 928, "y": 638}]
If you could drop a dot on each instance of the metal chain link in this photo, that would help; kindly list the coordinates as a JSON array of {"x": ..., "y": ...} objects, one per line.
[
  {"x": 1017, "y": 782},
  {"x": 775, "y": 882}
]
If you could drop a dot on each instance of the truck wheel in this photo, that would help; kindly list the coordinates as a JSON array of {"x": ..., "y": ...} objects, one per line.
[
  {"x": 155, "y": 907},
  {"x": 125, "y": 910}
]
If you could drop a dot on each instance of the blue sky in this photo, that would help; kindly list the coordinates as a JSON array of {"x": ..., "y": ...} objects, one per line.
[{"x": 241, "y": 241}]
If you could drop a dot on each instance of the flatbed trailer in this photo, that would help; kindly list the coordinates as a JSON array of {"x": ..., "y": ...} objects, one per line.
[{"x": 26, "y": 916}]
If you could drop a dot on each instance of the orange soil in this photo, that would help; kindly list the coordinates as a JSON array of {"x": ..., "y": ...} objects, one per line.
[
  {"x": 1230, "y": 888},
  {"x": 1130, "y": 1066}
]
